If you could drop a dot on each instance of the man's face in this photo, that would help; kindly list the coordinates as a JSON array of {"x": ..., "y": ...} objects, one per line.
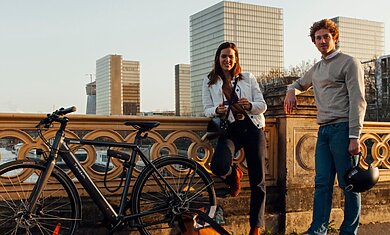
[{"x": 324, "y": 42}]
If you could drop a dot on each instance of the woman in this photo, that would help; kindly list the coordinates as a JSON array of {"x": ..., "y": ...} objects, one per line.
[{"x": 245, "y": 130}]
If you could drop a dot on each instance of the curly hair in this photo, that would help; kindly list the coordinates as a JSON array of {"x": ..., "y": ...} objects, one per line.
[
  {"x": 325, "y": 24},
  {"x": 217, "y": 72}
]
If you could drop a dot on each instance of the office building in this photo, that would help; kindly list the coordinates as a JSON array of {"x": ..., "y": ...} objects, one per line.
[
  {"x": 182, "y": 90},
  {"x": 90, "y": 89},
  {"x": 131, "y": 87},
  {"x": 256, "y": 30},
  {"x": 117, "y": 86},
  {"x": 363, "y": 39}
]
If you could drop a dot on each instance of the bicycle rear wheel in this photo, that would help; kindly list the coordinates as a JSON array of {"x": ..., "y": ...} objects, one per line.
[
  {"x": 187, "y": 186},
  {"x": 58, "y": 209}
]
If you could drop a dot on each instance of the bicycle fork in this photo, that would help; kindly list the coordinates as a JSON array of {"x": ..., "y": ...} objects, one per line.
[{"x": 41, "y": 183}]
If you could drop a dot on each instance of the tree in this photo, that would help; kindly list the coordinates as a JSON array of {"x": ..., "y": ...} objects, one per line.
[
  {"x": 300, "y": 70},
  {"x": 276, "y": 77}
]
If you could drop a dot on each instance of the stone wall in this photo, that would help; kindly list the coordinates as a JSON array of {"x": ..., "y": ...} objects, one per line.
[
  {"x": 290, "y": 162},
  {"x": 297, "y": 135}
]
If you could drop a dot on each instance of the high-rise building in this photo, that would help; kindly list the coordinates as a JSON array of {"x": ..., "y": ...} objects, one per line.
[
  {"x": 131, "y": 87},
  {"x": 362, "y": 39},
  {"x": 256, "y": 30},
  {"x": 117, "y": 86},
  {"x": 182, "y": 90},
  {"x": 90, "y": 89}
]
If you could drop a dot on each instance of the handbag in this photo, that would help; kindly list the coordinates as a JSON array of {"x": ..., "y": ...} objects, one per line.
[{"x": 219, "y": 126}]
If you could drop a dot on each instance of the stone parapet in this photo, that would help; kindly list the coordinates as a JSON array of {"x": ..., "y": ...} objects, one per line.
[
  {"x": 297, "y": 136},
  {"x": 290, "y": 160}
]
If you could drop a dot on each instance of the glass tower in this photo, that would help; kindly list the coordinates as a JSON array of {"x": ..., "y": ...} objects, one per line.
[
  {"x": 117, "y": 86},
  {"x": 131, "y": 87},
  {"x": 90, "y": 88},
  {"x": 362, "y": 39},
  {"x": 256, "y": 30},
  {"x": 182, "y": 90}
]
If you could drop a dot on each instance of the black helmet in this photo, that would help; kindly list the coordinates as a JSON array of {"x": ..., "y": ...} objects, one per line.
[{"x": 359, "y": 180}]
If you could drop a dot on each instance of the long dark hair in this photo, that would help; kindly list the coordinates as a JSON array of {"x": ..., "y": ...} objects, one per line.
[{"x": 217, "y": 70}]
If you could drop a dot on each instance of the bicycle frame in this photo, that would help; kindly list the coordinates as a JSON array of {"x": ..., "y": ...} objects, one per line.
[
  {"x": 61, "y": 146},
  {"x": 74, "y": 165},
  {"x": 93, "y": 191}
]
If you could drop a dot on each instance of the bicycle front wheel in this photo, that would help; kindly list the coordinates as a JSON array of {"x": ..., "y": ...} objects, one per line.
[
  {"x": 176, "y": 186},
  {"x": 58, "y": 208}
]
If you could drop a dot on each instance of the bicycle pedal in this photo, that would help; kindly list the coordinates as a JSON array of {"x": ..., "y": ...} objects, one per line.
[{"x": 117, "y": 227}]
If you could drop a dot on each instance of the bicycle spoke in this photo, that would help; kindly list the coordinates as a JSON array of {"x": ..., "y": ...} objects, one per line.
[
  {"x": 6, "y": 221},
  {"x": 9, "y": 197},
  {"x": 57, "y": 203},
  {"x": 179, "y": 185},
  {"x": 201, "y": 190},
  {"x": 160, "y": 184},
  {"x": 160, "y": 209},
  {"x": 182, "y": 182},
  {"x": 43, "y": 229},
  {"x": 48, "y": 217}
]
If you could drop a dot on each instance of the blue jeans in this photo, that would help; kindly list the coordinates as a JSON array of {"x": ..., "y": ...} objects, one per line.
[{"x": 332, "y": 157}]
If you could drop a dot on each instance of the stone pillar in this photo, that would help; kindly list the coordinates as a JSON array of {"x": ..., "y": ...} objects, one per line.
[{"x": 297, "y": 135}]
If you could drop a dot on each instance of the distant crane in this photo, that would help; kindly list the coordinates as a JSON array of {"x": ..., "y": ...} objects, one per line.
[{"x": 90, "y": 75}]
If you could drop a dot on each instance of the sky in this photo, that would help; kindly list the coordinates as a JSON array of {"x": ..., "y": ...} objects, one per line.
[{"x": 48, "y": 49}]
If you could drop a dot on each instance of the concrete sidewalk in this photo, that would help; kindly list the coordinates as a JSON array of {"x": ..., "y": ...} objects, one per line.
[
  {"x": 374, "y": 229},
  {"x": 370, "y": 229}
]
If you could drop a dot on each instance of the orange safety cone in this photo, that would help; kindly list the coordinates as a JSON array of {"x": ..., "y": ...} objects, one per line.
[{"x": 57, "y": 229}]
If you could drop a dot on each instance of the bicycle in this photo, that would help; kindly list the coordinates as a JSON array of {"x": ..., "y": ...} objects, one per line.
[{"x": 38, "y": 197}]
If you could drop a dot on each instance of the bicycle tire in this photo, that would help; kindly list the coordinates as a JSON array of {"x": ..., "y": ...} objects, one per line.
[
  {"x": 159, "y": 206},
  {"x": 58, "y": 207}
]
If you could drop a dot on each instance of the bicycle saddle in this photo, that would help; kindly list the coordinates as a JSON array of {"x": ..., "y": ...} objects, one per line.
[{"x": 145, "y": 126}]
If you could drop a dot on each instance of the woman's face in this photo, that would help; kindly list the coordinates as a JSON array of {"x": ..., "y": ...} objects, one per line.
[{"x": 227, "y": 59}]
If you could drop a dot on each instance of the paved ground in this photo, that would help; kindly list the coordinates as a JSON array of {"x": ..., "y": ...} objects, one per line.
[
  {"x": 374, "y": 229},
  {"x": 371, "y": 229},
  {"x": 367, "y": 229}
]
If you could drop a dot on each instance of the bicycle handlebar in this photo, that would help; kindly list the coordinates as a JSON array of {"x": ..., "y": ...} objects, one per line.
[
  {"x": 47, "y": 121},
  {"x": 64, "y": 111}
]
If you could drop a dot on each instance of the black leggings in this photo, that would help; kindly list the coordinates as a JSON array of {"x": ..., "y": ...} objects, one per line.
[{"x": 244, "y": 134}]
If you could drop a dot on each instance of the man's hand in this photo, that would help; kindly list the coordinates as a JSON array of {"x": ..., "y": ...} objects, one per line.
[
  {"x": 290, "y": 101},
  {"x": 354, "y": 147}
]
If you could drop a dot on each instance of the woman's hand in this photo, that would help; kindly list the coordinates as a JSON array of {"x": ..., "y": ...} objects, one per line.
[
  {"x": 245, "y": 104},
  {"x": 221, "y": 109}
]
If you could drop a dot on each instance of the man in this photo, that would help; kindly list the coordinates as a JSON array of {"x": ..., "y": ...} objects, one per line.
[{"x": 338, "y": 84}]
